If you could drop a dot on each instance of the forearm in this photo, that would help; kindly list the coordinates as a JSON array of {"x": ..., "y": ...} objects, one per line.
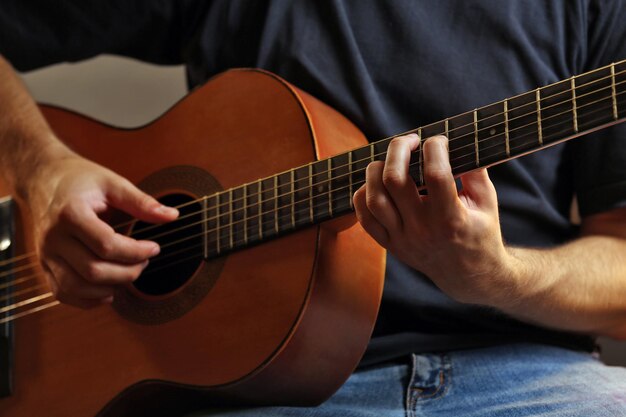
[
  {"x": 26, "y": 140},
  {"x": 580, "y": 286}
]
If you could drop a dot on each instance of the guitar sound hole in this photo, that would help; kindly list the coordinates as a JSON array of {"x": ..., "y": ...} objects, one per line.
[{"x": 181, "y": 247}]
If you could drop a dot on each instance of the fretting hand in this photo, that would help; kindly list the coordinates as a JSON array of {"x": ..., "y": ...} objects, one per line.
[{"x": 454, "y": 238}]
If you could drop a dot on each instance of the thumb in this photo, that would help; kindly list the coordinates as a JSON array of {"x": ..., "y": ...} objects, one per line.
[
  {"x": 478, "y": 187},
  {"x": 124, "y": 196}
]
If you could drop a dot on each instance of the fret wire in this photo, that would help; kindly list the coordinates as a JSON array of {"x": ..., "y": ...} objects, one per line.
[
  {"x": 276, "y": 203},
  {"x": 260, "y": 211},
  {"x": 615, "y": 115},
  {"x": 293, "y": 207},
  {"x": 446, "y": 128},
  {"x": 372, "y": 156},
  {"x": 506, "y": 128},
  {"x": 351, "y": 190},
  {"x": 539, "y": 129},
  {"x": 329, "y": 169},
  {"x": 311, "y": 192},
  {"x": 245, "y": 214},
  {"x": 476, "y": 137},
  {"x": 573, "y": 88},
  {"x": 230, "y": 216}
]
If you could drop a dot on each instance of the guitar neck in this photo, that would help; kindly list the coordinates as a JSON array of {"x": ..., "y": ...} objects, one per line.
[{"x": 489, "y": 135}]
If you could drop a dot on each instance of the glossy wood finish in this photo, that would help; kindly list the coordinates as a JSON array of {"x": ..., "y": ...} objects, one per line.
[{"x": 285, "y": 323}]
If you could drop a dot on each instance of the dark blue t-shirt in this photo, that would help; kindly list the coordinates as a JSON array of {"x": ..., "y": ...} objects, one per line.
[{"x": 388, "y": 66}]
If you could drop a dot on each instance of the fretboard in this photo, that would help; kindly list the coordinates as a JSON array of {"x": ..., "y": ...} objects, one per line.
[{"x": 489, "y": 135}]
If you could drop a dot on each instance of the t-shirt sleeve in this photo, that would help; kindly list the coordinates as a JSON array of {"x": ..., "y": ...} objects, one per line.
[
  {"x": 600, "y": 159},
  {"x": 36, "y": 33}
]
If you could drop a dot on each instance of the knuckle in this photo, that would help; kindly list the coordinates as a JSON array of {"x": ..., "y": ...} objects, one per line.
[
  {"x": 132, "y": 273},
  {"x": 105, "y": 246},
  {"x": 397, "y": 141},
  {"x": 373, "y": 169},
  {"x": 436, "y": 176},
  {"x": 69, "y": 214},
  {"x": 144, "y": 200},
  {"x": 393, "y": 178},
  {"x": 452, "y": 227},
  {"x": 94, "y": 272},
  {"x": 375, "y": 202},
  {"x": 66, "y": 285}
]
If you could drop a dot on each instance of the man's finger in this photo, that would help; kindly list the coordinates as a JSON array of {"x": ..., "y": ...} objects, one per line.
[
  {"x": 124, "y": 196},
  {"x": 378, "y": 201},
  {"x": 442, "y": 191},
  {"x": 479, "y": 189},
  {"x": 101, "y": 239},
  {"x": 367, "y": 220},
  {"x": 396, "y": 178},
  {"x": 69, "y": 288},
  {"x": 93, "y": 268}
]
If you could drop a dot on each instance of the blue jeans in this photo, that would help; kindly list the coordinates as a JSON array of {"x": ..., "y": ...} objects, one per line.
[{"x": 511, "y": 380}]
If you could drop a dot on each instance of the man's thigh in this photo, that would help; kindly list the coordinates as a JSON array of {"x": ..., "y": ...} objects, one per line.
[
  {"x": 517, "y": 380},
  {"x": 509, "y": 380},
  {"x": 374, "y": 392}
]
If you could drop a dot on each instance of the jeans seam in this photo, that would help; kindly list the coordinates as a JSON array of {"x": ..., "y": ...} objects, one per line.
[
  {"x": 445, "y": 381},
  {"x": 410, "y": 402}
]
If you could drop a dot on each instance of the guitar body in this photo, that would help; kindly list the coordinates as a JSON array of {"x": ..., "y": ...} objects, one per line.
[{"x": 284, "y": 322}]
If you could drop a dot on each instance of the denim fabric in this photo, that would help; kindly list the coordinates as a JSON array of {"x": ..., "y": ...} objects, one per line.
[{"x": 510, "y": 380}]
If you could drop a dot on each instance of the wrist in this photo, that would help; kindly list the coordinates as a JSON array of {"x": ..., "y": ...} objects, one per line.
[
  {"x": 38, "y": 164},
  {"x": 524, "y": 284}
]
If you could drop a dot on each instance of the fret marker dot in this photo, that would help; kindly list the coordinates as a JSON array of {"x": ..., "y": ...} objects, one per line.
[
  {"x": 492, "y": 131},
  {"x": 320, "y": 188}
]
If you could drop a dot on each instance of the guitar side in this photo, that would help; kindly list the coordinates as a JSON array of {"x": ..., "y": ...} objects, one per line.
[{"x": 284, "y": 322}]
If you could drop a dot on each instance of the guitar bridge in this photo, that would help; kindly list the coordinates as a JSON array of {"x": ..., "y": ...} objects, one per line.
[{"x": 7, "y": 239}]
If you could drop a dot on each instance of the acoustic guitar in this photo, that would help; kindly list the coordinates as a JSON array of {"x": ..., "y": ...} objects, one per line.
[{"x": 266, "y": 289}]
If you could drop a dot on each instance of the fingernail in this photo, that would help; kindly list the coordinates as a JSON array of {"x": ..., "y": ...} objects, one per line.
[
  {"x": 155, "y": 250},
  {"x": 166, "y": 210},
  {"x": 144, "y": 265},
  {"x": 415, "y": 135}
]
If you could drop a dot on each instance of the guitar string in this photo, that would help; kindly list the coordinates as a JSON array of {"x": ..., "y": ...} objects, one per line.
[
  {"x": 569, "y": 91},
  {"x": 19, "y": 280},
  {"x": 533, "y": 103},
  {"x": 345, "y": 206},
  {"x": 17, "y": 258},
  {"x": 468, "y": 135},
  {"x": 40, "y": 297},
  {"x": 245, "y": 208},
  {"x": 29, "y": 312},
  {"x": 327, "y": 181},
  {"x": 24, "y": 291},
  {"x": 56, "y": 302},
  {"x": 271, "y": 222}
]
